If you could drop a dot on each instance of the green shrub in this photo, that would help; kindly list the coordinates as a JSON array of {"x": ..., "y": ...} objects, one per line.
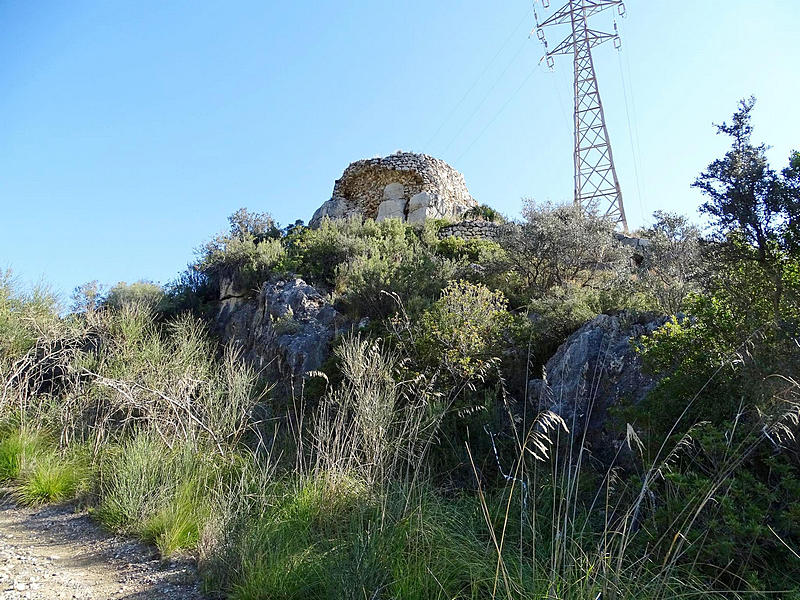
[
  {"x": 484, "y": 212},
  {"x": 672, "y": 262},
  {"x": 192, "y": 291},
  {"x": 246, "y": 256},
  {"x": 24, "y": 316},
  {"x": 739, "y": 459},
  {"x": 363, "y": 261},
  {"x": 463, "y": 328},
  {"x": 475, "y": 251},
  {"x": 556, "y": 246},
  {"x": 143, "y": 293}
]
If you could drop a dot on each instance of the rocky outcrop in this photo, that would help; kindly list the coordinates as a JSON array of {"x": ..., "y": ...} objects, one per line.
[
  {"x": 595, "y": 369},
  {"x": 286, "y": 330},
  {"x": 404, "y": 186}
]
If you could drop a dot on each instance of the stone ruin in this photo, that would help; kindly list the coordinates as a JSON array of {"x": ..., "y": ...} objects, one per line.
[{"x": 406, "y": 186}]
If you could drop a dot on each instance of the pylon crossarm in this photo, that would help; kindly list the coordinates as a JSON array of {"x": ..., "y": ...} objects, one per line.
[
  {"x": 568, "y": 45},
  {"x": 563, "y": 15}
]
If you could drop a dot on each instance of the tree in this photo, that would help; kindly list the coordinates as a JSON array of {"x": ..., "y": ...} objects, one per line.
[
  {"x": 672, "y": 263},
  {"x": 753, "y": 209},
  {"x": 87, "y": 297},
  {"x": 559, "y": 245},
  {"x": 259, "y": 225}
]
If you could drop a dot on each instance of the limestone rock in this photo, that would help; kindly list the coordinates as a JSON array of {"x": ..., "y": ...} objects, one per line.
[
  {"x": 595, "y": 369},
  {"x": 419, "y": 206},
  {"x": 286, "y": 330},
  {"x": 392, "y": 209},
  {"x": 335, "y": 208},
  {"x": 366, "y": 184},
  {"x": 394, "y": 191}
]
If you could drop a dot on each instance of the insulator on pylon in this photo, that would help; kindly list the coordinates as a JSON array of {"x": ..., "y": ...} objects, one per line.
[
  {"x": 621, "y": 9},
  {"x": 540, "y": 34},
  {"x": 546, "y": 3},
  {"x": 550, "y": 62},
  {"x": 617, "y": 42}
]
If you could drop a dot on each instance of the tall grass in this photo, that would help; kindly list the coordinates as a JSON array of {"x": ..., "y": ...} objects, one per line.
[{"x": 155, "y": 424}]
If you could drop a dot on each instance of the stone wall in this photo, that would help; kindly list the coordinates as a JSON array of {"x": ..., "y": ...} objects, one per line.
[
  {"x": 474, "y": 230},
  {"x": 411, "y": 187}
]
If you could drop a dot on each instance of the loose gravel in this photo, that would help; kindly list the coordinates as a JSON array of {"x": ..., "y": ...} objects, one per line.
[{"x": 57, "y": 552}]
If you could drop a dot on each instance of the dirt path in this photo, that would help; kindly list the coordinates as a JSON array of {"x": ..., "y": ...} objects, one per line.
[{"x": 54, "y": 552}]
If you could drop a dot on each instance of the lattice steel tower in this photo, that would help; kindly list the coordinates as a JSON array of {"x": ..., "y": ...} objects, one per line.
[{"x": 596, "y": 184}]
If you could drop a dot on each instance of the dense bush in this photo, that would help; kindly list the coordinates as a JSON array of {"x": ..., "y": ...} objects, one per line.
[
  {"x": 24, "y": 316},
  {"x": 142, "y": 293},
  {"x": 559, "y": 245},
  {"x": 245, "y": 256},
  {"x": 729, "y": 372},
  {"x": 672, "y": 264},
  {"x": 463, "y": 328}
]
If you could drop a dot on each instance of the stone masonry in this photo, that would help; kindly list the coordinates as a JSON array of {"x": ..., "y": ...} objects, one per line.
[
  {"x": 474, "y": 230},
  {"x": 407, "y": 186}
]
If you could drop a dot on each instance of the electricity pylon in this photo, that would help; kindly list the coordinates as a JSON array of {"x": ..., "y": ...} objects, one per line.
[{"x": 596, "y": 185}]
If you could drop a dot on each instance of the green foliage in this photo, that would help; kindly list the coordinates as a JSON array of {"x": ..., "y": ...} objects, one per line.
[
  {"x": 331, "y": 538},
  {"x": 37, "y": 470},
  {"x": 192, "y": 291},
  {"x": 560, "y": 245},
  {"x": 463, "y": 328},
  {"x": 246, "y": 261},
  {"x": 144, "y": 293},
  {"x": 87, "y": 297},
  {"x": 484, "y": 212},
  {"x": 474, "y": 250},
  {"x": 365, "y": 262},
  {"x": 745, "y": 194},
  {"x": 246, "y": 256},
  {"x": 718, "y": 366},
  {"x": 18, "y": 447},
  {"x": 24, "y": 316},
  {"x": 156, "y": 492},
  {"x": 54, "y": 476},
  {"x": 755, "y": 211},
  {"x": 672, "y": 265}
]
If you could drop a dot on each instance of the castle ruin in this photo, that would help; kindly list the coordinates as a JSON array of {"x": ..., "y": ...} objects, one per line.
[{"x": 406, "y": 186}]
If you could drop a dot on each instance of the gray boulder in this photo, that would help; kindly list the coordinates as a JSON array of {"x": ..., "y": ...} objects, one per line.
[
  {"x": 595, "y": 369},
  {"x": 286, "y": 330},
  {"x": 392, "y": 209}
]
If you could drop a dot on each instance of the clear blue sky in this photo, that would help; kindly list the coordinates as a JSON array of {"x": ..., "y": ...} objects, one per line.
[{"x": 130, "y": 130}]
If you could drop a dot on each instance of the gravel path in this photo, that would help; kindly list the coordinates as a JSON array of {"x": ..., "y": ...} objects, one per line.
[{"x": 55, "y": 552}]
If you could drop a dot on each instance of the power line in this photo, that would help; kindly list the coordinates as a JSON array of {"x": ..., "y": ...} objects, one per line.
[
  {"x": 485, "y": 97},
  {"x": 630, "y": 135},
  {"x": 497, "y": 114},
  {"x": 639, "y": 157},
  {"x": 475, "y": 82}
]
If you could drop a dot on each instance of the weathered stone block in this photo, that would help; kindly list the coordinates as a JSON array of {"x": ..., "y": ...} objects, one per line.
[{"x": 392, "y": 209}]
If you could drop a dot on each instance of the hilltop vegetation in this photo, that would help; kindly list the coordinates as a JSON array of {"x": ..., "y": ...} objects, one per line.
[{"x": 416, "y": 463}]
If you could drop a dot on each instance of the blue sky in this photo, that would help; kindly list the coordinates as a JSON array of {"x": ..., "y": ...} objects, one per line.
[{"x": 130, "y": 130}]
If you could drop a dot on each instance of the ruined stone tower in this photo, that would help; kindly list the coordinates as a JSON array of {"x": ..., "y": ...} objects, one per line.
[{"x": 407, "y": 186}]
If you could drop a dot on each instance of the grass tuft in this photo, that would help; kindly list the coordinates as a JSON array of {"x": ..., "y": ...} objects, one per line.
[
  {"x": 17, "y": 449},
  {"x": 52, "y": 478}
]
